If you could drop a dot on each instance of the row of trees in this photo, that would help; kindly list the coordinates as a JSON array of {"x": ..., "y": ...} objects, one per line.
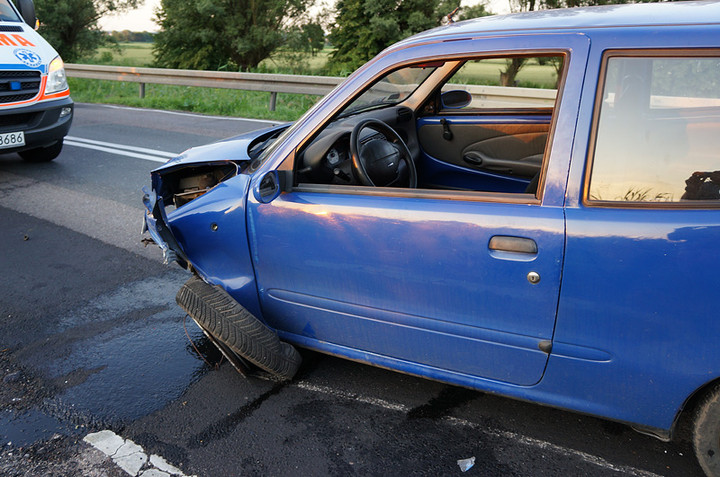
[
  {"x": 131, "y": 36},
  {"x": 239, "y": 34}
]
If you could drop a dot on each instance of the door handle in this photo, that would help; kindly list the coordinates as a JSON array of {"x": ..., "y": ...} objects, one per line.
[{"x": 507, "y": 243}]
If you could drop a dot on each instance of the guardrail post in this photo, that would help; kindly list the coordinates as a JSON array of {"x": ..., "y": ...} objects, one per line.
[
  {"x": 142, "y": 90},
  {"x": 273, "y": 101}
]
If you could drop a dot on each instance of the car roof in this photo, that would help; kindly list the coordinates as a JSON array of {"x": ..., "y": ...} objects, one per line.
[{"x": 584, "y": 18}]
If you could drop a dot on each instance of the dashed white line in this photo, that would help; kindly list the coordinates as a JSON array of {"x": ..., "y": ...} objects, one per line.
[
  {"x": 131, "y": 457},
  {"x": 512, "y": 436}
]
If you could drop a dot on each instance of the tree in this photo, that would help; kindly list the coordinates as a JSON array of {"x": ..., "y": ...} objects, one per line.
[
  {"x": 475, "y": 11},
  {"x": 365, "y": 27},
  {"x": 315, "y": 37},
  {"x": 222, "y": 34},
  {"x": 513, "y": 67},
  {"x": 71, "y": 27}
]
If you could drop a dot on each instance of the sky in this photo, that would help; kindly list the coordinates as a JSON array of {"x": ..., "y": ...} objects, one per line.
[
  {"x": 135, "y": 20},
  {"x": 141, "y": 18}
]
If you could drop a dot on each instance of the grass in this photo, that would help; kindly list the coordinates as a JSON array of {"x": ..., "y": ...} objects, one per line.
[
  {"x": 127, "y": 54},
  {"x": 288, "y": 62}
]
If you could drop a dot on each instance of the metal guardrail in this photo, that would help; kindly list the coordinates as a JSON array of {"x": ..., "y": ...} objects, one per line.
[
  {"x": 483, "y": 96},
  {"x": 271, "y": 83}
]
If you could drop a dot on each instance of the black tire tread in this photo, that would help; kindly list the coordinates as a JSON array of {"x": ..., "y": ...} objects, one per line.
[
  {"x": 706, "y": 432},
  {"x": 42, "y": 154},
  {"x": 242, "y": 332}
]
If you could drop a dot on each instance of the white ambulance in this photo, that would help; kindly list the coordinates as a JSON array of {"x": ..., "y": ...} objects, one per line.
[{"x": 35, "y": 106}]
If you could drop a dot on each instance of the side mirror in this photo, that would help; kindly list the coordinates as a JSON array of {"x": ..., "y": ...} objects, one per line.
[
  {"x": 455, "y": 99},
  {"x": 27, "y": 12},
  {"x": 268, "y": 187}
]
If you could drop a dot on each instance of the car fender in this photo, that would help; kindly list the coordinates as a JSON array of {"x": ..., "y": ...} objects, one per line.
[{"x": 213, "y": 233}]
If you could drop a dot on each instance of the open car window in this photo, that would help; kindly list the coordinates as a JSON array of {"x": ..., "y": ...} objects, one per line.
[
  {"x": 508, "y": 82},
  {"x": 481, "y": 128}
]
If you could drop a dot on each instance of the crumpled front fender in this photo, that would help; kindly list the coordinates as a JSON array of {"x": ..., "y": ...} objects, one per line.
[
  {"x": 212, "y": 233},
  {"x": 156, "y": 224}
]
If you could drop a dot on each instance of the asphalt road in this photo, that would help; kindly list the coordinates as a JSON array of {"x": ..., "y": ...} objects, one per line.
[{"x": 91, "y": 340}]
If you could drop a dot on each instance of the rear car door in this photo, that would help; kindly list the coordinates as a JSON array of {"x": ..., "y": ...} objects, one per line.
[{"x": 640, "y": 279}]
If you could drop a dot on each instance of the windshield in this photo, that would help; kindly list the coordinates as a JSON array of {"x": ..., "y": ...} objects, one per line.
[
  {"x": 7, "y": 13},
  {"x": 391, "y": 89}
]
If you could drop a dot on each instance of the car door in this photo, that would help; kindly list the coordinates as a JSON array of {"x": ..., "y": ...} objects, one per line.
[
  {"x": 643, "y": 222},
  {"x": 442, "y": 283}
]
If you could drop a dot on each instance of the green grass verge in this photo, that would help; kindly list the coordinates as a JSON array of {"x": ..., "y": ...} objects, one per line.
[
  {"x": 222, "y": 102},
  {"x": 127, "y": 54}
]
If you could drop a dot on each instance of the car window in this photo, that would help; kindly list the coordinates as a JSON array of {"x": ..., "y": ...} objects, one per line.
[
  {"x": 514, "y": 82},
  {"x": 657, "y": 134},
  {"x": 391, "y": 89},
  {"x": 449, "y": 131}
]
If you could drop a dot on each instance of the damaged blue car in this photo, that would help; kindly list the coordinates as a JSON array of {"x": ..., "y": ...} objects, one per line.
[{"x": 528, "y": 205}]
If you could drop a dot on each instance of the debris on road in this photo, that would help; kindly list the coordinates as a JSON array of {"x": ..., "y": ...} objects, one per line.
[{"x": 466, "y": 464}]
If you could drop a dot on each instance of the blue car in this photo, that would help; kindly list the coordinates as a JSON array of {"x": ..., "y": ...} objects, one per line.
[{"x": 528, "y": 205}]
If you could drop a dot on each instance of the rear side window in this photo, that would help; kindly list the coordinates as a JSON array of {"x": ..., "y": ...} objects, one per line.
[{"x": 657, "y": 132}]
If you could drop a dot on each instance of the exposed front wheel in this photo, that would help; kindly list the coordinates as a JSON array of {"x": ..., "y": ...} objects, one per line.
[
  {"x": 237, "y": 329},
  {"x": 706, "y": 433},
  {"x": 42, "y": 154}
]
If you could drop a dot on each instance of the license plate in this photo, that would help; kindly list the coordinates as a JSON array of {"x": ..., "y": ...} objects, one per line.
[{"x": 12, "y": 139}]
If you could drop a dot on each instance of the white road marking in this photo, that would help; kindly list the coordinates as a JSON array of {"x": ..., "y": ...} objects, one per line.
[
  {"x": 512, "y": 436},
  {"x": 123, "y": 146},
  {"x": 121, "y": 149},
  {"x": 131, "y": 457}
]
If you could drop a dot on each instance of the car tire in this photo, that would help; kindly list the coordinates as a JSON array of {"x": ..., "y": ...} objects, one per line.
[
  {"x": 219, "y": 314},
  {"x": 42, "y": 154},
  {"x": 706, "y": 432}
]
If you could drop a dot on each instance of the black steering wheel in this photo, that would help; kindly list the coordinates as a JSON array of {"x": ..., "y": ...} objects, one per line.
[{"x": 377, "y": 162}]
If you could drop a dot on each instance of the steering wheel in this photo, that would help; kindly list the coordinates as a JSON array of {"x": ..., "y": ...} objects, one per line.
[{"x": 377, "y": 162}]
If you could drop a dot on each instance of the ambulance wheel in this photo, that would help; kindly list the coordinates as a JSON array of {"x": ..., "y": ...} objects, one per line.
[{"x": 42, "y": 154}]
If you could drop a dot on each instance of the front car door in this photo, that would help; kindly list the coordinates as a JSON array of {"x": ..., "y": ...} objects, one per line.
[{"x": 457, "y": 285}]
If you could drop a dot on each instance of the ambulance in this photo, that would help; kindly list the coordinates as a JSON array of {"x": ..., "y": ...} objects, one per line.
[{"x": 35, "y": 106}]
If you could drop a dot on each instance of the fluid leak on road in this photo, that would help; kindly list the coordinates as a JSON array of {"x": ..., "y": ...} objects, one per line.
[
  {"x": 20, "y": 429},
  {"x": 121, "y": 356}
]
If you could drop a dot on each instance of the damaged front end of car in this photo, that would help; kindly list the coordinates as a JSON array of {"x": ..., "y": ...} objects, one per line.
[
  {"x": 192, "y": 174},
  {"x": 195, "y": 212}
]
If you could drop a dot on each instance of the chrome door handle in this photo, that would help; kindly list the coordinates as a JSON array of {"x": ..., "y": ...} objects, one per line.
[{"x": 507, "y": 243}]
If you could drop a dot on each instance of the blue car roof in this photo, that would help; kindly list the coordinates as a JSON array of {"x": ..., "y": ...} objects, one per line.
[{"x": 584, "y": 18}]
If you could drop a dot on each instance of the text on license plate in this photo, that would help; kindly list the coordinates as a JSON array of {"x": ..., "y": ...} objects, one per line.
[{"x": 12, "y": 139}]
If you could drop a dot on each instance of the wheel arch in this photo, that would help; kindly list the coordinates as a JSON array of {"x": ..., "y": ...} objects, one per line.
[{"x": 682, "y": 425}]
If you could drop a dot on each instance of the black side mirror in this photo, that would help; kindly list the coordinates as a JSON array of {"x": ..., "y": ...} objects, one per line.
[
  {"x": 27, "y": 11},
  {"x": 455, "y": 99}
]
